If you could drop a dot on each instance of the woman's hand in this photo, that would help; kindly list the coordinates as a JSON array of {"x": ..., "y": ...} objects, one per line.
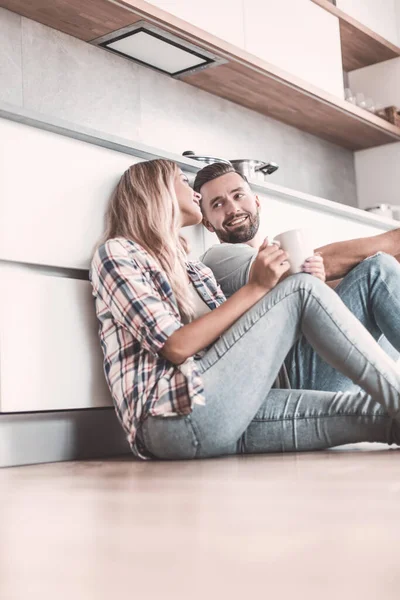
[
  {"x": 315, "y": 266},
  {"x": 269, "y": 266}
]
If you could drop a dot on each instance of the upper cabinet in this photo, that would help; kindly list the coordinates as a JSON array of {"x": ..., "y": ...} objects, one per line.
[
  {"x": 378, "y": 16},
  {"x": 222, "y": 18},
  {"x": 281, "y": 59},
  {"x": 363, "y": 31},
  {"x": 284, "y": 33},
  {"x": 299, "y": 37}
]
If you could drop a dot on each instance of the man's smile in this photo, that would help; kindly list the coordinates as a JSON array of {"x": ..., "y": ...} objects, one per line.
[{"x": 239, "y": 220}]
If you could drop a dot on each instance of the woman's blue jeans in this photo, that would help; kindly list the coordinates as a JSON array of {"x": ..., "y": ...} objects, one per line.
[{"x": 307, "y": 323}]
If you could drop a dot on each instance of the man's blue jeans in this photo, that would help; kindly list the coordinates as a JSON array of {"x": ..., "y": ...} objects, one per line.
[
  {"x": 243, "y": 415},
  {"x": 372, "y": 292}
]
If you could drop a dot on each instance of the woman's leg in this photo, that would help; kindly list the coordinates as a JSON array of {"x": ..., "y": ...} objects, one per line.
[
  {"x": 302, "y": 420},
  {"x": 371, "y": 291},
  {"x": 239, "y": 369},
  {"x": 288, "y": 421}
]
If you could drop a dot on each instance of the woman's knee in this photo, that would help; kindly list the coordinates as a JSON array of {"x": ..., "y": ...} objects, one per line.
[
  {"x": 304, "y": 281},
  {"x": 170, "y": 438}
]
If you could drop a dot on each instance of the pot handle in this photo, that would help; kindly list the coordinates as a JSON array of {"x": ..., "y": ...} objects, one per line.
[{"x": 267, "y": 168}]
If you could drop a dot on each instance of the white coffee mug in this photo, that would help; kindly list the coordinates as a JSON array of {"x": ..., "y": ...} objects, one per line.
[{"x": 298, "y": 244}]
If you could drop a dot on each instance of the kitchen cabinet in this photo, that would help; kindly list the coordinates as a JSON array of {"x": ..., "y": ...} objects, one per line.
[
  {"x": 242, "y": 76},
  {"x": 377, "y": 176},
  {"x": 297, "y": 36},
  {"x": 50, "y": 355},
  {"x": 361, "y": 45},
  {"x": 378, "y": 16},
  {"x": 380, "y": 82},
  {"x": 377, "y": 168},
  {"x": 55, "y": 215},
  {"x": 222, "y": 18}
]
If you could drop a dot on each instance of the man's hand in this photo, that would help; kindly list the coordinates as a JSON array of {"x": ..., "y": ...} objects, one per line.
[
  {"x": 315, "y": 266},
  {"x": 269, "y": 266}
]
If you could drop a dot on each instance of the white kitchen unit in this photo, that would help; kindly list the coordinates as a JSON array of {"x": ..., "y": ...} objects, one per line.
[
  {"x": 64, "y": 185},
  {"x": 55, "y": 181},
  {"x": 270, "y": 30},
  {"x": 50, "y": 356},
  {"x": 222, "y": 18},
  {"x": 378, "y": 16},
  {"x": 298, "y": 36}
]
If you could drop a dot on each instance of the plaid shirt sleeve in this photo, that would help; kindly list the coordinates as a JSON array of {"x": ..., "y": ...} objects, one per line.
[{"x": 126, "y": 288}]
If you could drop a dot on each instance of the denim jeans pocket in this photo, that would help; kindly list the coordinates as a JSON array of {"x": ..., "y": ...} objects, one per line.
[{"x": 170, "y": 438}]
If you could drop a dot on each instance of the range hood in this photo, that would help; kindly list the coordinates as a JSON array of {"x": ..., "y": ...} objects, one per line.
[{"x": 158, "y": 49}]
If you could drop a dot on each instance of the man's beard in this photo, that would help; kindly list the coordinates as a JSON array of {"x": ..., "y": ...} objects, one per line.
[{"x": 242, "y": 234}]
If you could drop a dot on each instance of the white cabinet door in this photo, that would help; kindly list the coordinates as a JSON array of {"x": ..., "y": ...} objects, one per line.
[
  {"x": 378, "y": 16},
  {"x": 53, "y": 195},
  {"x": 299, "y": 37},
  {"x": 222, "y": 18},
  {"x": 50, "y": 355}
]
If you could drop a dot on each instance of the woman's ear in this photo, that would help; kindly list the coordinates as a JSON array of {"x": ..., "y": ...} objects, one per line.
[{"x": 208, "y": 225}]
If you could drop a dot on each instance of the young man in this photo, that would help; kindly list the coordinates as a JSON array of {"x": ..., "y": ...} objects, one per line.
[{"x": 367, "y": 268}]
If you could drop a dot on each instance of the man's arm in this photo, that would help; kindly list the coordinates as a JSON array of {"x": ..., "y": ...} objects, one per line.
[{"x": 341, "y": 257}]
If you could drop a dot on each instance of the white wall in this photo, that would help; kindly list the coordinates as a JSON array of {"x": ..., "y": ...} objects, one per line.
[
  {"x": 397, "y": 6},
  {"x": 378, "y": 15},
  {"x": 377, "y": 172}
]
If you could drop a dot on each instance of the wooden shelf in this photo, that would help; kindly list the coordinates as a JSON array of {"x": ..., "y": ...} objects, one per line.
[
  {"x": 361, "y": 46},
  {"x": 244, "y": 78}
]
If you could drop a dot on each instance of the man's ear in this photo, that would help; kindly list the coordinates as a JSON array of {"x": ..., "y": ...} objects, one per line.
[
  {"x": 208, "y": 225},
  {"x": 258, "y": 203}
]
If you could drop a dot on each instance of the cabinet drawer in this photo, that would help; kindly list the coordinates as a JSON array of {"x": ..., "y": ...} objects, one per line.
[{"x": 50, "y": 355}]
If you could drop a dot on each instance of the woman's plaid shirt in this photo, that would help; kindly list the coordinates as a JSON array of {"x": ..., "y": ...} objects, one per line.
[{"x": 138, "y": 312}]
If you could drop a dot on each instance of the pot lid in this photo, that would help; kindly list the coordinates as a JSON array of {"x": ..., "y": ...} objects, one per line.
[{"x": 207, "y": 159}]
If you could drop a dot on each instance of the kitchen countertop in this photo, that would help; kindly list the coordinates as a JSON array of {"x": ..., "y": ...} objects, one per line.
[{"x": 139, "y": 150}]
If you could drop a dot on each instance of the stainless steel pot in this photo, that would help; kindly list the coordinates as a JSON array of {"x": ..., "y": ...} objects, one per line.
[
  {"x": 384, "y": 210},
  {"x": 209, "y": 160},
  {"x": 253, "y": 170}
]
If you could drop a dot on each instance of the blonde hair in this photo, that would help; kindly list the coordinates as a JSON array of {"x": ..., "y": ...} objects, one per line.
[{"x": 144, "y": 208}]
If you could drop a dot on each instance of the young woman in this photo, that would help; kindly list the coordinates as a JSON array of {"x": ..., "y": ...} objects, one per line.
[{"x": 190, "y": 373}]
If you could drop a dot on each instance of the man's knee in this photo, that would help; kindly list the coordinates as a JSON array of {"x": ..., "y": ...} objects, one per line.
[{"x": 380, "y": 264}]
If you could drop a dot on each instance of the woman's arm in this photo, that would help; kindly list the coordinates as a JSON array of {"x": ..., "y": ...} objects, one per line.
[{"x": 200, "y": 333}]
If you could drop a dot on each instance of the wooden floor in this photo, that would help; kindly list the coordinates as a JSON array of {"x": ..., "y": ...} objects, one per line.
[{"x": 306, "y": 526}]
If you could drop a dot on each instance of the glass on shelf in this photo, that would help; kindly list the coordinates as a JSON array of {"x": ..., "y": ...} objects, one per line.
[
  {"x": 370, "y": 105},
  {"x": 349, "y": 96},
  {"x": 360, "y": 100}
]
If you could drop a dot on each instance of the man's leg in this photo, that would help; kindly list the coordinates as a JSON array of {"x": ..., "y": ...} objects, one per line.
[{"x": 372, "y": 292}]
